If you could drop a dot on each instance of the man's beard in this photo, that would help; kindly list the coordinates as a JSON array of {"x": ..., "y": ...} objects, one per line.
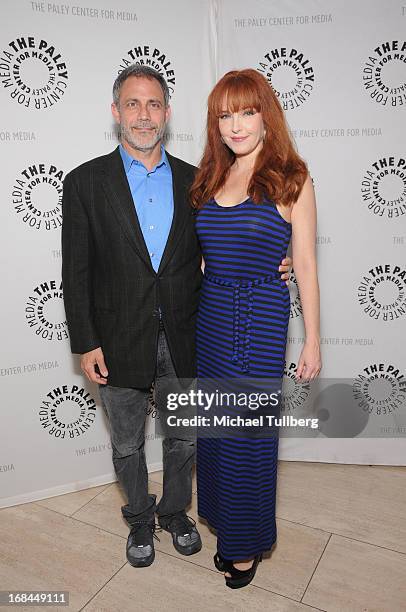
[{"x": 141, "y": 144}]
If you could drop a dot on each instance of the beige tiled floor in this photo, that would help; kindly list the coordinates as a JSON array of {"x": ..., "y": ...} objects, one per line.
[{"x": 341, "y": 548}]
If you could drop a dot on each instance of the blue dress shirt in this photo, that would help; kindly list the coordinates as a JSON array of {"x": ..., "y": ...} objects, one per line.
[{"x": 153, "y": 200}]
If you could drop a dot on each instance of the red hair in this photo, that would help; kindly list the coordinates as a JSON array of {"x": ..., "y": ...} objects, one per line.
[{"x": 279, "y": 172}]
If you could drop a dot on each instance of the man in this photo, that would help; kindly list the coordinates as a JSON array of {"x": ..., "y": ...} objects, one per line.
[{"x": 131, "y": 276}]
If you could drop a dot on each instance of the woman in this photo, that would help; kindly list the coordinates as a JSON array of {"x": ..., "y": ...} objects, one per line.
[{"x": 252, "y": 194}]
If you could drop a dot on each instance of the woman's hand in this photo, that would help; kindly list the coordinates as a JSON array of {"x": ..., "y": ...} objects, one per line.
[
  {"x": 285, "y": 268},
  {"x": 309, "y": 365}
]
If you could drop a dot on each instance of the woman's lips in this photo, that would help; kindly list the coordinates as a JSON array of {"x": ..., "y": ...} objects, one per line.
[{"x": 239, "y": 138}]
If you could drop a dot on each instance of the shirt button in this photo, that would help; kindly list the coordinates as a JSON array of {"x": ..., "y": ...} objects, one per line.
[
  {"x": 151, "y": 227},
  {"x": 150, "y": 199},
  {"x": 152, "y": 254}
]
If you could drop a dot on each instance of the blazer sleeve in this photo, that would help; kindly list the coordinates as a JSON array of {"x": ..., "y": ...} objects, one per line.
[{"x": 77, "y": 257}]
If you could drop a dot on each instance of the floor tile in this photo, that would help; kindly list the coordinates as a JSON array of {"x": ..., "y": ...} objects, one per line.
[
  {"x": 293, "y": 559},
  {"x": 104, "y": 511},
  {"x": 349, "y": 500},
  {"x": 71, "y": 502},
  {"x": 173, "y": 585},
  {"x": 44, "y": 550},
  {"x": 87, "y": 545},
  {"x": 357, "y": 577},
  {"x": 286, "y": 571}
]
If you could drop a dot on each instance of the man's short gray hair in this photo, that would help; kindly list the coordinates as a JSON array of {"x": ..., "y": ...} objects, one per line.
[{"x": 136, "y": 70}]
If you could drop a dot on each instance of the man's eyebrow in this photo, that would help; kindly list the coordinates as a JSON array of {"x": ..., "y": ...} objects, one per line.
[{"x": 155, "y": 100}]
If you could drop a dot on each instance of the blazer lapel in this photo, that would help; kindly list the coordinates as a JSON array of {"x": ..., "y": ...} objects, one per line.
[
  {"x": 180, "y": 205},
  {"x": 118, "y": 193}
]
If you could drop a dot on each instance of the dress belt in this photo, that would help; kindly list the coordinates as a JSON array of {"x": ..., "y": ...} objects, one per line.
[{"x": 237, "y": 285}]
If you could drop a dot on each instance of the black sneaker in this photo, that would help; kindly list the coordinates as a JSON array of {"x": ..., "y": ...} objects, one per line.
[
  {"x": 140, "y": 544},
  {"x": 186, "y": 538}
]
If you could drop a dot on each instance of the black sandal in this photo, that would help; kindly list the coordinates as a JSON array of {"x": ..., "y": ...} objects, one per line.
[
  {"x": 219, "y": 562},
  {"x": 238, "y": 578}
]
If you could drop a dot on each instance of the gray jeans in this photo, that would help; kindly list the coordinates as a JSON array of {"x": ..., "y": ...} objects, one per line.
[{"x": 126, "y": 409}]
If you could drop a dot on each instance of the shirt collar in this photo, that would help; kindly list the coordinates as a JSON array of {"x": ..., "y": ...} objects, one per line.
[{"x": 128, "y": 160}]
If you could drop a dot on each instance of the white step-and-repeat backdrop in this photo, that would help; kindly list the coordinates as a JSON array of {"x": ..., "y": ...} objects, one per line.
[{"x": 340, "y": 72}]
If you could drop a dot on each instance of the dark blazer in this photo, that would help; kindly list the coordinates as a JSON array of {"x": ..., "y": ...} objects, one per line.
[{"x": 111, "y": 291}]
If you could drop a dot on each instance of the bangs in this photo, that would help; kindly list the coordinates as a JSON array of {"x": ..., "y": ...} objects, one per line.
[{"x": 234, "y": 94}]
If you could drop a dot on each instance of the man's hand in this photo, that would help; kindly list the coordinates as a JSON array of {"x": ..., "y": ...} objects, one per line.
[
  {"x": 285, "y": 268},
  {"x": 88, "y": 362}
]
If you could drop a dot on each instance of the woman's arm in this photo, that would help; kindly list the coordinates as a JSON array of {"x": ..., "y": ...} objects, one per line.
[{"x": 304, "y": 225}]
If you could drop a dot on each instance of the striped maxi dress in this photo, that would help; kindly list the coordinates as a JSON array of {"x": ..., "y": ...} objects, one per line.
[{"x": 241, "y": 333}]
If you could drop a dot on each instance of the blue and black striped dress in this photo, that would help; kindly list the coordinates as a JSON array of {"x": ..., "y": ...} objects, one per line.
[{"x": 241, "y": 332}]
